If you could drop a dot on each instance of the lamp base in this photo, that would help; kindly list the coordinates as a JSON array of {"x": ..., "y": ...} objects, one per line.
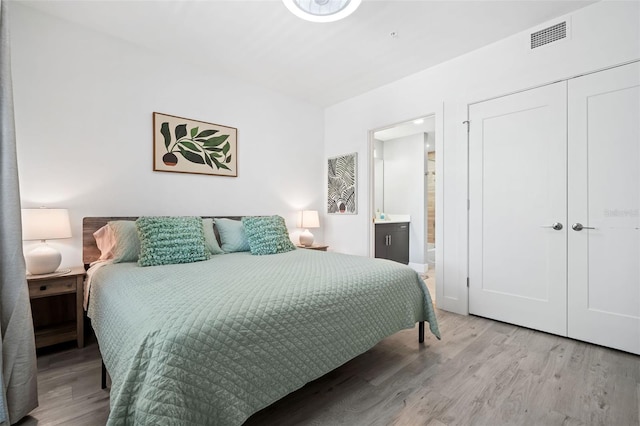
[
  {"x": 43, "y": 259},
  {"x": 306, "y": 238}
]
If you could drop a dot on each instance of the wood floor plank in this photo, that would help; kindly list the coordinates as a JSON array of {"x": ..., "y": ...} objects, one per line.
[
  {"x": 638, "y": 397},
  {"x": 69, "y": 389},
  {"x": 597, "y": 383}
]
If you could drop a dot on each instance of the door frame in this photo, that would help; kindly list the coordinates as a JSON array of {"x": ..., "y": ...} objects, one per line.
[{"x": 438, "y": 116}]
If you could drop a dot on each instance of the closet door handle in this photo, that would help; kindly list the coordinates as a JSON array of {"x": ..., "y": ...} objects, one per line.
[
  {"x": 579, "y": 227},
  {"x": 557, "y": 226}
]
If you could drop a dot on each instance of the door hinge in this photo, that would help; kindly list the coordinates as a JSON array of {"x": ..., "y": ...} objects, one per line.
[
  {"x": 468, "y": 204},
  {"x": 468, "y": 123},
  {"x": 467, "y": 282}
]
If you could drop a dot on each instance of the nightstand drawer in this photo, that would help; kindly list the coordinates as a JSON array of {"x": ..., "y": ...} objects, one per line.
[{"x": 52, "y": 287}]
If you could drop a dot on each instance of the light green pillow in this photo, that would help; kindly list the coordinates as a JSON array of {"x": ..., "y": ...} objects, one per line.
[
  {"x": 267, "y": 235},
  {"x": 210, "y": 237},
  {"x": 232, "y": 235},
  {"x": 170, "y": 240},
  {"x": 127, "y": 241}
]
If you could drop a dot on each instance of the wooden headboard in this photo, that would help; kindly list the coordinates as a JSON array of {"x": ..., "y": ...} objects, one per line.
[{"x": 90, "y": 251}]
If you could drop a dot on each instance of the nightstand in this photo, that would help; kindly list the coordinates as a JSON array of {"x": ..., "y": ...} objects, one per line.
[
  {"x": 318, "y": 247},
  {"x": 56, "y": 307}
]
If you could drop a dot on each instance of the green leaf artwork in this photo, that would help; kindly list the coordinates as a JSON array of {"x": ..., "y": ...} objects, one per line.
[
  {"x": 195, "y": 146},
  {"x": 192, "y": 146},
  {"x": 215, "y": 141},
  {"x": 164, "y": 129},
  {"x": 183, "y": 145},
  {"x": 181, "y": 131},
  {"x": 219, "y": 164},
  {"x": 206, "y": 133},
  {"x": 191, "y": 156}
]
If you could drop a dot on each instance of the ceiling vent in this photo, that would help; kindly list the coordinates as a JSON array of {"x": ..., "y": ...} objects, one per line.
[{"x": 549, "y": 35}]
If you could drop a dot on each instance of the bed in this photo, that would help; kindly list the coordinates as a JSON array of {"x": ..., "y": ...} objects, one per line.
[{"x": 215, "y": 341}]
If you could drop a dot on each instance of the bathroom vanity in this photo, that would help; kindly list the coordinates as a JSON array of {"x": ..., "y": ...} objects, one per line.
[{"x": 392, "y": 240}]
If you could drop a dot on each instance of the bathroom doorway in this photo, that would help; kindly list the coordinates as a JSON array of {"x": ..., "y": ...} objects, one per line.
[{"x": 403, "y": 158}]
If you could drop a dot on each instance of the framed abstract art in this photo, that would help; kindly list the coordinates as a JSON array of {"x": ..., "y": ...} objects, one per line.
[{"x": 342, "y": 188}]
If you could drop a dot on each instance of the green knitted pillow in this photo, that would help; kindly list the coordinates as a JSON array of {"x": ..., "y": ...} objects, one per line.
[
  {"x": 267, "y": 235},
  {"x": 169, "y": 240}
]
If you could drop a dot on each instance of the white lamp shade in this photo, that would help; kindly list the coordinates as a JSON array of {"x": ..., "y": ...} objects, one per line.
[
  {"x": 45, "y": 224},
  {"x": 309, "y": 219}
]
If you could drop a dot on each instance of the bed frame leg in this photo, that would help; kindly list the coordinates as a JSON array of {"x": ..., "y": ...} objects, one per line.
[
  {"x": 103, "y": 379},
  {"x": 420, "y": 333}
]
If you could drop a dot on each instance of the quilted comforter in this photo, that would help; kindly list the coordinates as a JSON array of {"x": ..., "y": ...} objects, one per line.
[{"x": 213, "y": 342}]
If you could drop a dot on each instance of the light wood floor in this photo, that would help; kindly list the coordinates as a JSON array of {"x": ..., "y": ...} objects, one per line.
[{"x": 482, "y": 373}]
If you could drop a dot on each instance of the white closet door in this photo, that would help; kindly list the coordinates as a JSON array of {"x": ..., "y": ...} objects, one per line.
[
  {"x": 517, "y": 191},
  {"x": 604, "y": 193}
]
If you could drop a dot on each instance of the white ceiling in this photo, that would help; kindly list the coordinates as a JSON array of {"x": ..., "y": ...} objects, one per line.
[{"x": 262, "y": 43}]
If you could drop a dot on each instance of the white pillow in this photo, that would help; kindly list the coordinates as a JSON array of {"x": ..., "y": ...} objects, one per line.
[{"x": 106, "y": 242}]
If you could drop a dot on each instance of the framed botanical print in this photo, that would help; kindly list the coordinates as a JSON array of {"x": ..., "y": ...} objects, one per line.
[{"x": 183, "y": 145}]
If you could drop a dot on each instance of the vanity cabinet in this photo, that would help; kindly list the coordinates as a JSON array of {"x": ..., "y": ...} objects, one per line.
[{"x": 392, "y": 241}]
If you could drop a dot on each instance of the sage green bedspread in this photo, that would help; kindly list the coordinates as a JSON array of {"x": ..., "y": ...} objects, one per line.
[{"x": 213, "y": 342}]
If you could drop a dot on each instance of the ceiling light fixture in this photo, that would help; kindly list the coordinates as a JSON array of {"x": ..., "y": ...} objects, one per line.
[{"x": 322, "y": 10}]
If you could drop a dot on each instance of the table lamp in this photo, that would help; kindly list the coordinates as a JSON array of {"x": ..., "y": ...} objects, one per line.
[
  {"x": 44, "y": 224},
  {"x": 308, "y": 219}
]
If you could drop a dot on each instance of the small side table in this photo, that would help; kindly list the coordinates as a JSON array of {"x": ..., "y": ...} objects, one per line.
[
  {"x": 318, "y": 247},
  {"x": 56, "y": 307}
]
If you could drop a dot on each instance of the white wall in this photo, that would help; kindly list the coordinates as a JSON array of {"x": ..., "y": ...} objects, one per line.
[
  {"x": 404, "y": 161},
  {"x": 603, "y": 34},
  {"x": 83, "y": 107}
]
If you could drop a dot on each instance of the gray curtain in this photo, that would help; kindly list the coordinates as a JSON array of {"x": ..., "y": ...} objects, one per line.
[{"x": 17, "y": 347}]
